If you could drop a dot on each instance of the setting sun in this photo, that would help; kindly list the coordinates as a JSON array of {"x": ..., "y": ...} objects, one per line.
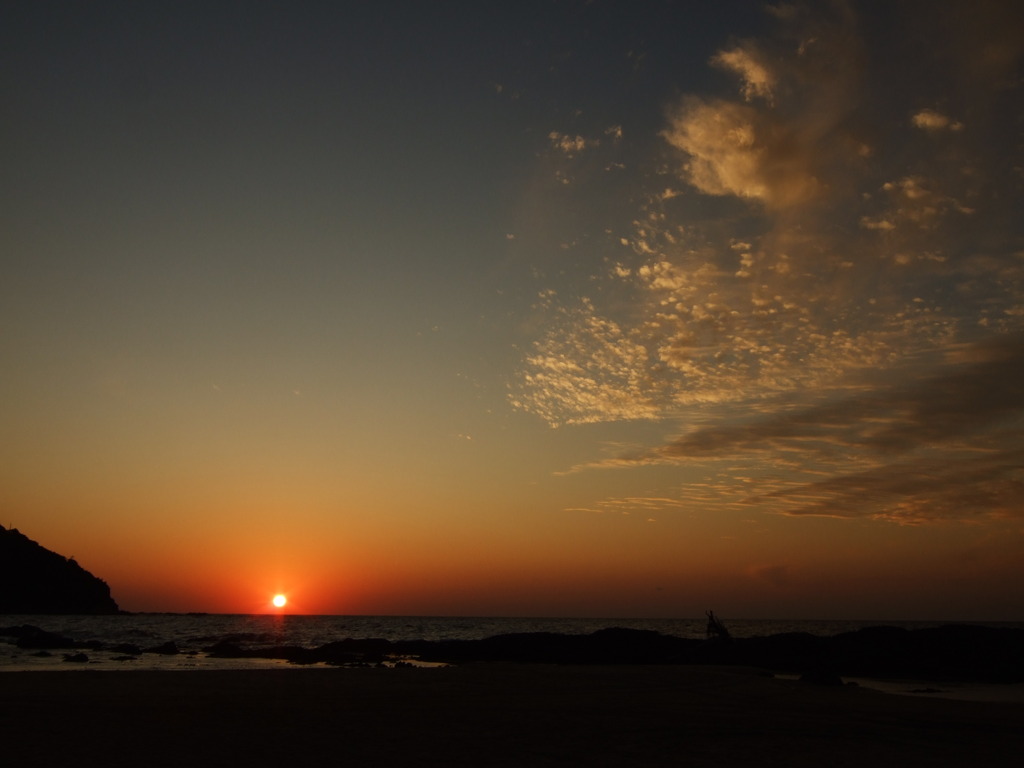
[{"x": 279, "y": 601}]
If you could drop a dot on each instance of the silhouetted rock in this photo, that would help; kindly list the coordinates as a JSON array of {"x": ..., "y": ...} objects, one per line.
[
  {"x": 354, "y": 651},
  {"x": 941, "y": 653},
  {"x": 950, "y": 652},
  {"x": 340, "y": 652},
  {"x": 35, "y": 580},
  {"x": 606, "y": 646},
  {"x": 34, "y": 637},
  {"x": 227, "y": 650},
  {"x": 170, "y": 648},
  {"x": 129, "y": 649}
]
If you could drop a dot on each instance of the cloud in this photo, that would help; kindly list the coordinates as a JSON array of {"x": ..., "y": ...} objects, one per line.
[
  {"x": 820, "y": 285},
  {"x": 944, "y": 446},
  {"x": 797, "y": 235},
  {"x": 915, "y": 201},
  {"x": 596, "y": 366},
  {"x": 569, "y": 144},
  {"x": 628, "y": 505},
  {"x": 574, "y": 157},
  {"x": 758, "y": 78},
  {"x": 930, "y": 120},
  {"x": 916, "y": 492},
  {"x": 981, "y": 389},
  {"x": 783, "y": 144},
  {"x": 916, "y": 449},
  {"x": 727, "y": 145}
]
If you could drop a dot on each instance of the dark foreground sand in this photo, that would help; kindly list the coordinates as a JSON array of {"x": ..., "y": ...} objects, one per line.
[{"x": 487, "y": 715}]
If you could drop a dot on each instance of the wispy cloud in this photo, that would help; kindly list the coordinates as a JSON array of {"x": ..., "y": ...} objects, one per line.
[
  {"x": 642, "y": 506},
  {"x": 945, "y": 446},
  {"x": 915, "y": 492},
  {"x": 977, "y": 394}
]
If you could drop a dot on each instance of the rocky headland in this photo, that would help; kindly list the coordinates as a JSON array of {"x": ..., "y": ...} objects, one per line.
[{"x": 34, "y": 579}]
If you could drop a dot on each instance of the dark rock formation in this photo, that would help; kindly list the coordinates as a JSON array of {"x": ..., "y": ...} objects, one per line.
[
  {"x": 35, "y": 580},
  {"x": 170, "y": 648},
  {"x": 34, "y": 637},
  {"x": 128, "y": 649},
  {"x": 952, "y": 652}
]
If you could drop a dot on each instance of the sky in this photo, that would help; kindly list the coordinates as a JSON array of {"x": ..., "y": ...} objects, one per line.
[{"x": 596, "y": 309}]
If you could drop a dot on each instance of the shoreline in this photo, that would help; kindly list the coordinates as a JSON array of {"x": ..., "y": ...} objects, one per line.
[{"x": 489, "y": 713}]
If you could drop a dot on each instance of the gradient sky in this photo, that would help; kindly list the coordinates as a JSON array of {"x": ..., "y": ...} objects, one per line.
[{"x": 534, "y": 308}]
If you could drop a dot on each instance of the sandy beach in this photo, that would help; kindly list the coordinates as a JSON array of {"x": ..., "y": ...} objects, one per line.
[{"x": 487, "y": 715}]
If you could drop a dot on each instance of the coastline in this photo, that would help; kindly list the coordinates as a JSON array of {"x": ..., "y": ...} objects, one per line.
[{"x": 495, "y": 714}]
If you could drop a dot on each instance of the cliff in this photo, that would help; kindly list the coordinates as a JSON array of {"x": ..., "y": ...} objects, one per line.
[{"x": 35, "y": 580}]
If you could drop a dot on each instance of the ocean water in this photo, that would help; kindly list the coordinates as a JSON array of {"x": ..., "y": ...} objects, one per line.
[{"x": 192, "y": 633}]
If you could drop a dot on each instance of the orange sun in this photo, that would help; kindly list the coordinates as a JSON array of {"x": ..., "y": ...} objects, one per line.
[{"x": 279, "y": 601}]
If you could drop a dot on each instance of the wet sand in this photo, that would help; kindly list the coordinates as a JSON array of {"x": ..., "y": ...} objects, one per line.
[{"x": 487, "y": 715}]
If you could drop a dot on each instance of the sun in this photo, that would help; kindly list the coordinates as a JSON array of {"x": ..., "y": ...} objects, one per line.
[{"x": 279, "y": 601}]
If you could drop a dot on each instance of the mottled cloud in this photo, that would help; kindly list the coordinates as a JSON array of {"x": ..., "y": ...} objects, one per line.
[
  {"x": 569, "y": 144},
  {"x": 592, "y": 363},
  {"x": 841, "y": 247},
  {"x": 824, "y": 268},
  {"x": 573, "y": 144},
  {"x": 567, "y": 150}
]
